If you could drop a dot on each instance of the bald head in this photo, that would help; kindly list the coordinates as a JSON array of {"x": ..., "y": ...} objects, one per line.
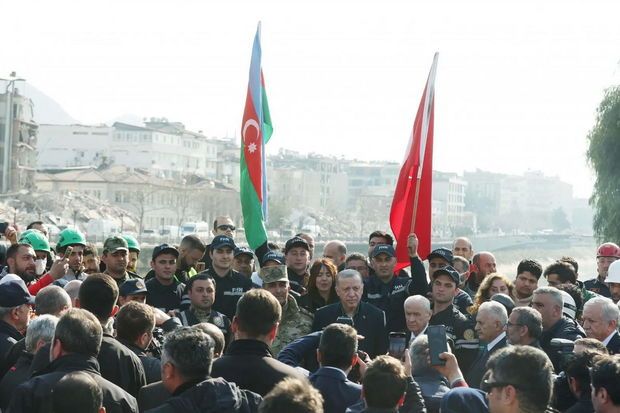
[
  {"x": 485, "y": 265},
  {"x": 462, "y": 247},
  {"x": 335, "y": 251}
]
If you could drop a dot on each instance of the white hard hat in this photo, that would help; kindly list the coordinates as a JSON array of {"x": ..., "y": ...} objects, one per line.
[
  {"x": 570, "y": 307},
  {"x": 613, "y": 274}
]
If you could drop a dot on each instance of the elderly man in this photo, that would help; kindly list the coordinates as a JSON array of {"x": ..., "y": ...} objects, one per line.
[
  {"x": 368, "y": 320},
  {"x": 524, "y": 327},
  {"x": 549, "y": 303},
  {"x": 432, "y": 383},
  {"x": 483, "y": 264},
  {"x": 296, "y": 321},
  {"x": 462, "y": 247},
  {"x": 600, "y": 321},
  {"x": 417, "y": 315},
  {"x": 15, "y": 301},
  {"x": 490, "y": 326}
]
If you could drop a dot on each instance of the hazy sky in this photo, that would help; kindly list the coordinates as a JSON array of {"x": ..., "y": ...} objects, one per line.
[{"x": 518, "y": 82}]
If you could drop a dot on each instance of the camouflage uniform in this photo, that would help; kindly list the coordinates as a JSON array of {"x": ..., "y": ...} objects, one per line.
[{"x": 296, "y": 322}]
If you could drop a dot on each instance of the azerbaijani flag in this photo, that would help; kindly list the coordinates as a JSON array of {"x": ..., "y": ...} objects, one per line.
[{"x": 255, "y": 133}]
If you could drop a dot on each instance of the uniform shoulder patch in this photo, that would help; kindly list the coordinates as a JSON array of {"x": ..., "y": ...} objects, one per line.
[{"x": 469, "y": 334}]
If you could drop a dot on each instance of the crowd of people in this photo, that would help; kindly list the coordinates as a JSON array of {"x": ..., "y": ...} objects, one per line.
[{"x": 221, "y": 328}]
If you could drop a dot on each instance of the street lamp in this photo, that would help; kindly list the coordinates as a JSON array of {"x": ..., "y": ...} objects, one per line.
[{"x": 8, "y": 129}]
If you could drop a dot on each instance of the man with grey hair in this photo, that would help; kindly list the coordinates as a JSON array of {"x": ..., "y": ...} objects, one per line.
[
  {"x": 186, "y": 361},
  {"x": 40, "y": 333},
  {"x": 549, "y": 303},
  {"x": 490, "y": 326},
  {"x": 15, "y": 303},
  {"x": 432, "y": 383},
  {"x": 524, "y": 327},
  {"x": 52, "y": 300},
  {"x": 600, "y": 321},
  {"x": 73, "y": 289},
  {"x": 76, "y": 343},
  {"x": 368, "y": 320},
  {"x": 417, "y": 315}
]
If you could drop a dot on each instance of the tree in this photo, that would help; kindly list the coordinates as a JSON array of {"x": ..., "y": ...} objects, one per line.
[
  {"x": 559, "y": 220},
  {"x": 604, "y": 157}
]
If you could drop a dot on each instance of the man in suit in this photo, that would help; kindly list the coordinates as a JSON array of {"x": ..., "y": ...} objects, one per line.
[
  {"x": 248, "y": 360},
  {"x": 600, "y": 321},
  {"x": 337, "y": 354},
  {"x": 368, "y": 320},
  {"x": 490, "y": 322}
]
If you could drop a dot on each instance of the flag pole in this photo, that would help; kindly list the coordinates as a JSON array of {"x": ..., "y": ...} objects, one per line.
[{"x": 428, "y": 104}]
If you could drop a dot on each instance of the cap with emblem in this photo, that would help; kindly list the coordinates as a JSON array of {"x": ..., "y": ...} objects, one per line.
[
  {"x": 383, "y": 249},
  {"x": 296, "y": 242},
  {"x": 275, "y": 256},
  {"x": 222, "y": 241},
  {"x": 244, "y": 250},
  {"x": 442, "y": 253},
  {"x": 164, "y": 249},
  {"x": 273, "y": 274},
  {"x": 450, "y": 272},
  {"x": 14, "y": 294},
  {"x": 132, "y": 287},
  {"x": 113, "y": 244}
]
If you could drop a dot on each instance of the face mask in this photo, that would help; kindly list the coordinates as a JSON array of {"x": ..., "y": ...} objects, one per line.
[{"x": 40, "y": 266}]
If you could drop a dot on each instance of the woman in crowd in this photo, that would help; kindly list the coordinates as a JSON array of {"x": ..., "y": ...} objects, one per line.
[
  {"x": 321, "y": 285},
  {"x": 492, "y": 284}
]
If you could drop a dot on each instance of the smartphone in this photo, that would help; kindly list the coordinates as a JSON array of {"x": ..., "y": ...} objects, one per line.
[
  {"x": 398, "y": 344},
  {"x": 343, "y": 319},
  {"x": 68, "y": 252},
  {"x": 200, "y": 266},
  {"x": 3, "y": 227},
  {"x": 437, "y": 343}
]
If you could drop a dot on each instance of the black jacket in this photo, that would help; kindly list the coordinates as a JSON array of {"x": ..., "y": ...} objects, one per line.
[
  {"x": 479, "y": 367},
  {"x": 8, "y": 337},
  {"x": 210, "y": 396},
  {"x": 614, "y": 344},
  {"x": 35, "y": 395},
  {"x": 250, "y": 364},
  {"x": 120, "y": 365},
  {"x": 389, "y": 297},
  {"x": 369, "y": 322},
  {"x": 414, "y": 403},
  {"x": 152, "y": 395},
  {"x": 338, "y": 392},
  {"x": 164, "y": 297},
  {"x": 151, "y": 365},
  {"x": 563, "y": 328},
  {"x": 228, "y": 290},
  {"x": 17, "y": 374}
]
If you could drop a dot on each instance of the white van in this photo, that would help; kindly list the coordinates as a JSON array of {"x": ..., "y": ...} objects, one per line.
[{"x": 201, "y": 229}]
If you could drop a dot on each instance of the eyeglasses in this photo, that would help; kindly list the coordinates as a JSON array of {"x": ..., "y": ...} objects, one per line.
[
  {"x": 488, "y": 385},
  {"x": 225, "y": 227}
]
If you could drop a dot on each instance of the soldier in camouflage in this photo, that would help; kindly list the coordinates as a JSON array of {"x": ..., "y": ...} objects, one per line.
[{"x": 296, "y": 321}]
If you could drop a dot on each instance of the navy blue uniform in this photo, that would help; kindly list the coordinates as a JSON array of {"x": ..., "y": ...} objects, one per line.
[{"x": 389, "y": 297}]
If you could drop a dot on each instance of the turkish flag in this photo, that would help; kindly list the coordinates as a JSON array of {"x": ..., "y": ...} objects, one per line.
[{"x": 417, "y": 170}]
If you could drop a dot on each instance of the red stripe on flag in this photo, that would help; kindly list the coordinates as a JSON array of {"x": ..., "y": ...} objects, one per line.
[{"x": 251, "y": 136}]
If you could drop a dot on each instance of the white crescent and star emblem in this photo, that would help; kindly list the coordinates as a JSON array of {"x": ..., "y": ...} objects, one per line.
[{"x": 248, "y": 139}]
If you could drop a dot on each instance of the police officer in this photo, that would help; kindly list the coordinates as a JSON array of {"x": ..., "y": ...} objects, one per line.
[
  {"x": 296, "y": 321},
  {"x": 164, "y": 290},
  {"x": 132, "y": 290},
  {"x": 297, "y": 256},
  {"x": 605, "y": 255},
  {"x": 115, "y": 256},
  {"x": 74, "y": 239},
  {"x": 385, "y": 291},
  {"x": 230, "y": 285},
  {"x": 201, "y": 291},
  {"x": 438, "y": 258},
  {"x": 459, "y": 328}
]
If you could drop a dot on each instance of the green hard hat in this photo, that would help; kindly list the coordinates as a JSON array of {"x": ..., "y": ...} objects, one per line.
[
  {"x": 132, "y": 243},
  {"x": 70, "y": 236},
  {"x": 36, "y": 239}
]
